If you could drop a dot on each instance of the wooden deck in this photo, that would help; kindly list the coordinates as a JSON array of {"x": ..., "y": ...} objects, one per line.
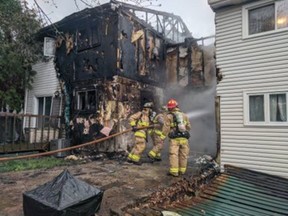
[
  {"x": 23, "y": 147},
  {"x": 23, "y": 132}
]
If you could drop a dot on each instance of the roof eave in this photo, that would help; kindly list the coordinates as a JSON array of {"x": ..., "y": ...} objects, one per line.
[{"x": 219, "y": 4}]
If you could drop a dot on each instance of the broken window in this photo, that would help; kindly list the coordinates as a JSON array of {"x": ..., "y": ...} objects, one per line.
[
  {"x": 83, "y": 39},
  {"x": 91, "y": 100},
  {"x": 81, "y": 101},
  {"x": 87, "y": 38},
  {"x": 86, "y": 100},
  {"x": 267, "y": 16}
]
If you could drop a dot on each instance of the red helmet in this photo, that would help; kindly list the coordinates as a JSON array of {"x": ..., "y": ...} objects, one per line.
[{"x": 172, "y": 103}]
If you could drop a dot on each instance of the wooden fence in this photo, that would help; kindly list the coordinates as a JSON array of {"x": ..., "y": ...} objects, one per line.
[{"x": 27, "y": 132}]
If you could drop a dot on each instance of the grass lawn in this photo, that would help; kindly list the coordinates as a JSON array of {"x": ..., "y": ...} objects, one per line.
[{"x": 28, "y": 164}]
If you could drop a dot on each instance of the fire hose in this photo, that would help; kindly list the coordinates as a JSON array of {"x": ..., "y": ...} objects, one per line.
[{"x": 73, "y": 147}]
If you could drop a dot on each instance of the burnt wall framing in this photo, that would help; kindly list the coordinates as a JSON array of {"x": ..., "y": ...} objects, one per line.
[
  {"x": 141, "y": 52},
  {"x": 190, "y": 64},
  {"x": 170, "y": 26}
]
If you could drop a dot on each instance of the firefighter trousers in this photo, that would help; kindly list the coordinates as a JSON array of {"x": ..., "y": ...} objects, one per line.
[
  {"x": 137, "y": 150},
  {"x": 158, "y": 144},
  {"x": 178, "y": 155}
]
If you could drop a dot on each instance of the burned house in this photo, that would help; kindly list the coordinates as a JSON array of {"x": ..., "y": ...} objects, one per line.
[{"x": 111, "y": 59}]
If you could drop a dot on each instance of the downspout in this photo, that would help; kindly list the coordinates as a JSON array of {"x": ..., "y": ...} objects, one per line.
[{"x": 67, "y": 110}]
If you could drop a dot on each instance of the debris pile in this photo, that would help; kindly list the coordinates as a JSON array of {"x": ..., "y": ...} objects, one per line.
[{"x": 179, "y": 191}]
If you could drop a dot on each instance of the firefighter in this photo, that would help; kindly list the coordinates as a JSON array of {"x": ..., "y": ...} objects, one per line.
[
  {"x": 158, "y": 134},
  {"x": 140, "y": 119},
  {"x": 179, "y": 126}
]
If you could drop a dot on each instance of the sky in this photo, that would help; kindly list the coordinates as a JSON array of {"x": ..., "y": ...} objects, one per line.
[{"x": 197, "y": 14}]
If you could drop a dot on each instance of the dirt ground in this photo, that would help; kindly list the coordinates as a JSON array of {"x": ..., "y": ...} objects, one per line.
[{"x": 122, "y": 183}]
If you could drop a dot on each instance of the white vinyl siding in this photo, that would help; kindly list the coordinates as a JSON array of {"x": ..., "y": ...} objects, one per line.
[
  {"x": 45, "y": 84},
  {"x": 250, "y": 64}
]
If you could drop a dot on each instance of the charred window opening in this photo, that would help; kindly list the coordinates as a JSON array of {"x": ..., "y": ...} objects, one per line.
[
  {"x": 124, "y": 35},
  {"x": 81, "y": 101},
  {"x": 91, "y": 100},
  {"x": 89, "y": 67},
  {"x": 94, "y": 36},
  {"x": 87, "y": 38},
  {"x": 82, "y": 39},
  {"x": 86, "y": 100}
]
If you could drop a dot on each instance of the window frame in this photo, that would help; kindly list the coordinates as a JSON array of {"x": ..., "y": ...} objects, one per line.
[
  {"x": 87, "y": 105},
  {"x": 43, "y": 124},
  {"x": 245, "y": 19},
  {"x": 267, "y": 121}
]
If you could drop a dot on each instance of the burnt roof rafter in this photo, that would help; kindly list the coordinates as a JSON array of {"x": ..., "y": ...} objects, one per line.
[{"x": 169, "y": 25}]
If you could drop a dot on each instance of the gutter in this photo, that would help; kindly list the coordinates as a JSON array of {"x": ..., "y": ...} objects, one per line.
[{"x": 219, "y": 4}]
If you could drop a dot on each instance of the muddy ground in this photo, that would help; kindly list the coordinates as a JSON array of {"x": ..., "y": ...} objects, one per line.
[{"x": 123, "y": 183}]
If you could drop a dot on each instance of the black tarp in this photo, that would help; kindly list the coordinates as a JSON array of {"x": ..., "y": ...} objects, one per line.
[{"x": 65, "y": 195}]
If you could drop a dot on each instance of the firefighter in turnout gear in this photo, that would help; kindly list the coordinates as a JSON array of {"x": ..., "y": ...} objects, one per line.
[
  {"x": 179, "y": 127},
  {"x": 140, "y": 119},
  {"x": 158, "y": 134}
]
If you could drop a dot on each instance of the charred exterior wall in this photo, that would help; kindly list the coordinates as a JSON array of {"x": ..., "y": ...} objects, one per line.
[
  {"x": 141, "y": 52},
  {"x": 189, "y": 64},
  {"x": 87, "y": 47},
  {"x": 110, "y": 65},
  {"x": 115, "y": 101}
]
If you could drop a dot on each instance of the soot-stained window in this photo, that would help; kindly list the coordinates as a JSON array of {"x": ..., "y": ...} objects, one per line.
[
  {"x": 86, "y": 100},
  {"x": 87, "y": 38}
]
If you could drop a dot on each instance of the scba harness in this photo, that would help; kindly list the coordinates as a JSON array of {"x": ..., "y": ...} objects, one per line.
[{"x": 176, "y": 133}]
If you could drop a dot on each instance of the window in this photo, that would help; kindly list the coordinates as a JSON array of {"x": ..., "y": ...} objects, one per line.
[
  {"x": 266, "y": 108},
  {"x": 278, "y": 107},
  {"x": 86, "y": 100},
  {"x": 256, "y": 108},
  {"x": 265, "y": 16},
  {"x": 49, "y": 46},
  {"x": 44, "y": 108}
]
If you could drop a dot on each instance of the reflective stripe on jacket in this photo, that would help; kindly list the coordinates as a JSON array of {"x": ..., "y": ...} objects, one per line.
[
  {"x": 140, "y": 119},
  {"x": 159, "y": 133}
]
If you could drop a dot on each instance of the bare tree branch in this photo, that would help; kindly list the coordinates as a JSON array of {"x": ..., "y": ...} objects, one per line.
[
  {"x": 76, "y": 4},
  {"x": 46, "y": 16},
  {"x": 84, "y": 2}
]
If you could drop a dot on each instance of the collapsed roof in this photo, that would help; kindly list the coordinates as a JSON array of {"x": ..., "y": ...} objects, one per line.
[{"x": 164, "y": 24}]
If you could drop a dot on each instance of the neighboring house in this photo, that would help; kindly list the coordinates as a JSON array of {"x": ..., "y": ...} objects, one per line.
[
  {"x": 251, "y": 53},
  {"x": 43, "y": 98}
]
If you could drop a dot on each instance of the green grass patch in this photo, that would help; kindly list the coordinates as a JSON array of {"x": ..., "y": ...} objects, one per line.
[{"x": 30, "y": 164}]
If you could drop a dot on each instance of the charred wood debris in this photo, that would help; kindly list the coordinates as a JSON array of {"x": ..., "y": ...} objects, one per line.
[{"x": 185, "y": 189}]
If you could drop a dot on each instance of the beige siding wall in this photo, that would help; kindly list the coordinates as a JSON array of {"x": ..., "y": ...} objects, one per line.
[{"x": 254, "y": 64}]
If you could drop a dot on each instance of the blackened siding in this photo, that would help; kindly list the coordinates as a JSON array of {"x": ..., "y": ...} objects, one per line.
[
  {"x": 98, "y": 59},
  {"x": 92, "y": 50}
]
